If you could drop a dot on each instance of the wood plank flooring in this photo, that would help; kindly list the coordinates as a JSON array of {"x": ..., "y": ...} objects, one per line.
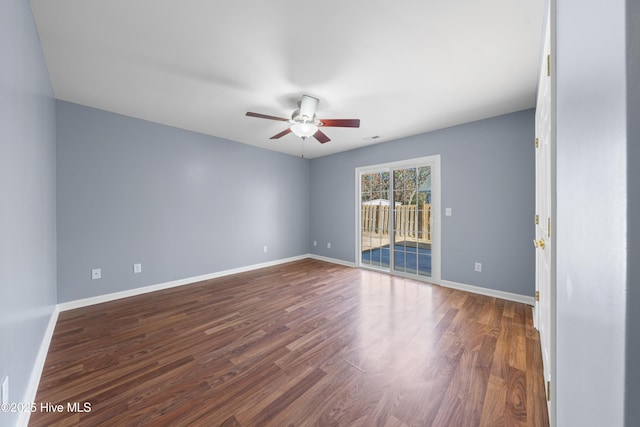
[{"x": 300, "y": 344}]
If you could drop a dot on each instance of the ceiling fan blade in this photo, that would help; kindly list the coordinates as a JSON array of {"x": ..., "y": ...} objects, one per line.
[
  {"x": 321, "y": 137},
  {"x": 343, "y": 123},
  {"x": 308, "y": 105},
  {"x": 281, "y": 134},
  {"x": 264, "y": 116}
]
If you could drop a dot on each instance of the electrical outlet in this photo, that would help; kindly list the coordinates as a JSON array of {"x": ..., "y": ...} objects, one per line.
[
  {"x": 265, "y": 249},
  {"x": 447, "y": 212},
  {"x": 328, "y": 245},
  {"x": 96, "y": 273},
  {"x": 5, "y": 391},
  {"x": 478, "y": 267},
  {"x": 137, "y": 268},
  {"x": 315, "y": 243}
]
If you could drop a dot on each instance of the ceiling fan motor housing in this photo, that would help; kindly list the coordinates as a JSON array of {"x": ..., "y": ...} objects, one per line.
[{"x": 296, "y": 117}]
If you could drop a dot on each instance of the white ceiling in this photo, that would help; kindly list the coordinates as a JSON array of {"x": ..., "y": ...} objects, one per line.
[{"x": 403, "y": 67}]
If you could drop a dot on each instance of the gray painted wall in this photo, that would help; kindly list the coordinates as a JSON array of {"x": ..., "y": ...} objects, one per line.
[
  {"x": 591, "y": 213},
  {"x": 180, "y": 203},
  {"x": 633, "y": 194},
  {"x": 488, "y": 178},
  {"x": 27, "y": 207}
]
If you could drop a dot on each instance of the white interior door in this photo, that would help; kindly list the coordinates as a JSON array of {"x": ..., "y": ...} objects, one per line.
[{"x": 544, "y": 240}]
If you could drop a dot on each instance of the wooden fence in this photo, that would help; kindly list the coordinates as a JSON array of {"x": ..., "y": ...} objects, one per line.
[{"x": 411, "y": 221}]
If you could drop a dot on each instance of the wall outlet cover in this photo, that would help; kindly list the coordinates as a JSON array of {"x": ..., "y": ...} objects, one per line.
[
  {"x": 478, "y": 267},
  {"x": 96, "y": 273},
  {"x": 137, "y": 268}
]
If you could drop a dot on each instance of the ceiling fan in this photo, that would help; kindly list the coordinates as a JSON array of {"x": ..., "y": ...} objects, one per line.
[{"x": 304, "y": 122}]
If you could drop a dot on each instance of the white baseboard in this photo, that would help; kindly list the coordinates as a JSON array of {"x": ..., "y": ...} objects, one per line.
[
  {"x": 36, "y": 372},
  {"x": 489, "y": 292},
  {"x": 85, "y": 302},
  {"x": 454, "y": 285},
  {"x": 70, "y": 305},
  {"x": 332, "y": 260}
]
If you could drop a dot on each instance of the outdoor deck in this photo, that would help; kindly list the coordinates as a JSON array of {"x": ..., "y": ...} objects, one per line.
[{"x": 412, "y": 224}]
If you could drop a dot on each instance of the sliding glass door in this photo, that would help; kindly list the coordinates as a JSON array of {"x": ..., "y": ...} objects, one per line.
[{"x": 397, "y": 206}]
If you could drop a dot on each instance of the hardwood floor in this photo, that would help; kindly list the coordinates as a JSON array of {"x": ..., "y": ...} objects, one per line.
[{"x": 299, "y": 344}]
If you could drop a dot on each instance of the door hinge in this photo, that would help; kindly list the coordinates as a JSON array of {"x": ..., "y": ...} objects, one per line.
[
  {"x": 536, "y": 142},
  {"x": 549, "y": 391},
  {"x": 549, "y": 65},
  {"x": 537, "y": 220},
  {"x": 537, "y": 295},
  {"x": 548, "y": 227}
]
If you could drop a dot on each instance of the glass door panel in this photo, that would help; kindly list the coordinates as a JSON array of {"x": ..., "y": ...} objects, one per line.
[
  {"x": 424, "y": 221},
  {"x": 374, "y": 219},
  {"x": 401, "y": 224},
  {"x": 412, "y": 225}
]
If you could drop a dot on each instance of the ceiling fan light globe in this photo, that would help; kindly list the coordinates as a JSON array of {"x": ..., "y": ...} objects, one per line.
[{"x": 304, "y": 130}]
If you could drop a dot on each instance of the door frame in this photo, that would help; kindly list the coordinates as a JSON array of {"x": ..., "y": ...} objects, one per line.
[{"x": 434, "y": 163}]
